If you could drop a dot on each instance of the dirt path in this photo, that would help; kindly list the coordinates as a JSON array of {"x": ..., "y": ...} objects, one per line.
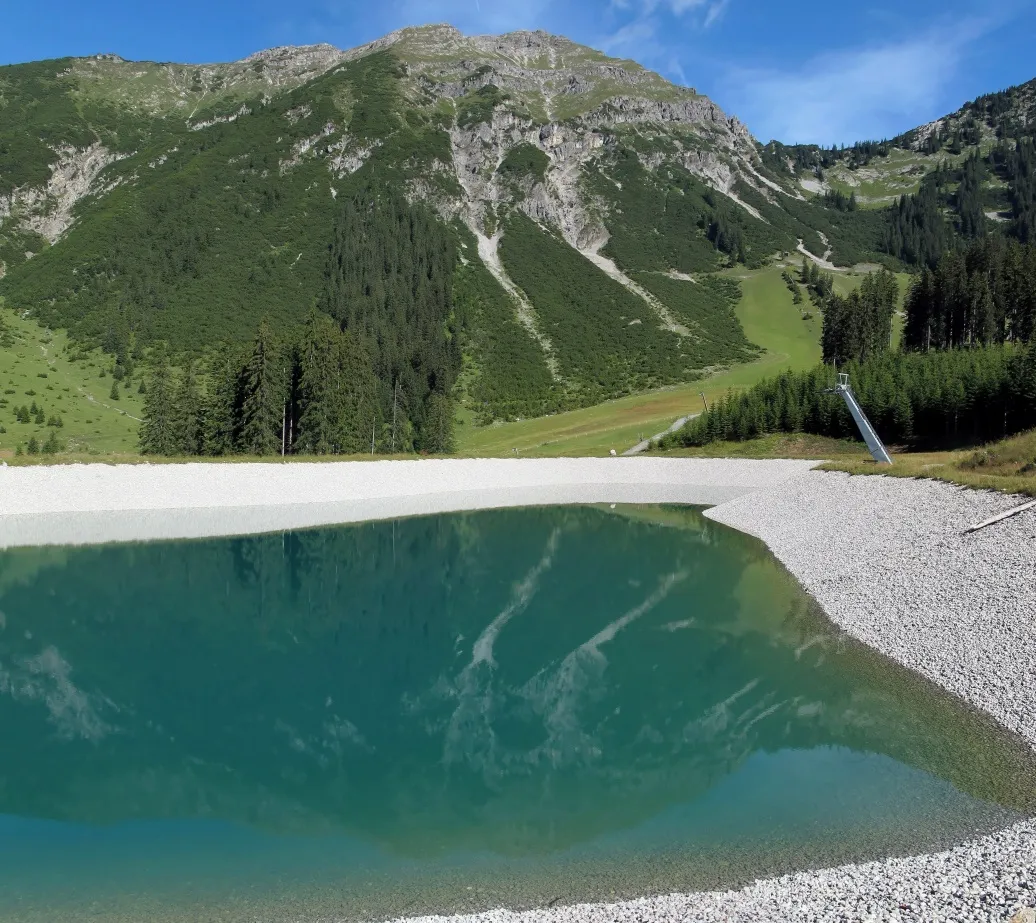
[{"x": 645, "y": 444}]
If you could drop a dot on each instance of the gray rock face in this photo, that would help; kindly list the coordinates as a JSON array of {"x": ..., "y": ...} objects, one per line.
[
  {"x": 47, "y": 210},
  {"x": 572, "y": 103}
]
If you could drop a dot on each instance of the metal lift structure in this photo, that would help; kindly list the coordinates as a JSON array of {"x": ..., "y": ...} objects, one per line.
[{"x": 877, "y": 448}]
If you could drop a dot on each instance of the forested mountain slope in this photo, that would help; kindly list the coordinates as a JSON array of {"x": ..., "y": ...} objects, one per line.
[
  {"x": 960, "y": 177},
  {"x": 516, "y": 222},
  {"x": 183, "y": 204}
]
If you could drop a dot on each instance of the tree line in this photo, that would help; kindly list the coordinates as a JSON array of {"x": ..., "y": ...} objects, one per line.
[
  {"x": 859, "y": 325},
  {"x": 371, "y": 370},
  {"x": 928, "y": 400},
  {"x": 985, "y": 294},
  {"x": 313, "y": 393}
]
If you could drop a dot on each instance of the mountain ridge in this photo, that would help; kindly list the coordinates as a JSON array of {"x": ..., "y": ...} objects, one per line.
[{"x": 144, "y": 203}]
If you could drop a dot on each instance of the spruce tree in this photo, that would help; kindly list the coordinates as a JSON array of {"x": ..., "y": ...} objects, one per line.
[
  {"x": 221, "y": 405},
  {"x": 321, "y": 396},
  {"x": 262, "y": 403},
  {"x": 187, "y": 420},
  {"x": 437, "y": 432},
  {"x": 158, "y": 432},
  {"x": 337, "y": 400},
  {"x": 52, "y": 445}
]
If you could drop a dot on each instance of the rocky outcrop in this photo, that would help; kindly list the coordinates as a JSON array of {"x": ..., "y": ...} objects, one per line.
[
  {"x": 290, "y": 65},
  {"x": 219, "y": 119},
  {"x": 48, "y": 210}
]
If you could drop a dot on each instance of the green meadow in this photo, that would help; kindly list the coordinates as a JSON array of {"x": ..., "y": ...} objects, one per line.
[
  {"x": 41, "y": 367},
  {"x": 789, "y": 334}
]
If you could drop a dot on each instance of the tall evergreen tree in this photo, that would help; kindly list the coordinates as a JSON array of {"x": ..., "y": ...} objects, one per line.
[
  {"x": 437, "y": 434},
  {"x": 222, "y": 404},
  {"x": 188, "y": 419},
  {"x": 262, "y": 405},
  {"x": 337, "y": 391},
  {"x": 158, "y": 430},
  {"x": 859, "y": 325}
]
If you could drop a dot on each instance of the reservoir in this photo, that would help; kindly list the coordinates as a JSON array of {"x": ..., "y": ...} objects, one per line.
[{"x": 448, "y": 713}]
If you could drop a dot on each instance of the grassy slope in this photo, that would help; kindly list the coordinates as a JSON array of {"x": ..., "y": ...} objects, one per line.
[
  {"x": 72, "y": 390},
  {"x": 95, "y": 424},
  {"x": 769, "y": 319}
]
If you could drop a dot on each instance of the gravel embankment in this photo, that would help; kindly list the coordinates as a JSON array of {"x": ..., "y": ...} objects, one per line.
[
  {"x": 83, "y": 504},
  {"x": 888, "y": 561}
]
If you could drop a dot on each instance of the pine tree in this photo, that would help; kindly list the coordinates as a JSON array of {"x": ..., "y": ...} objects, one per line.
[
  {"x": 158, "y": 432},
  {"x": 320, "y": 396},
  {"x": 337, "y": 390},
  {"x": 52, "y": 445},
  {"x": 114, "y": 393},
  {"x": 437, "y": 432},
  {"x": 262, "y": 398},
  {"x": 222, "y": 407},
  {"x": 187, "y": 423}
]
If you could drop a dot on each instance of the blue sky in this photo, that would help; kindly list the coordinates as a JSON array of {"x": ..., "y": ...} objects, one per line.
[{"x": 825, "y": 73}]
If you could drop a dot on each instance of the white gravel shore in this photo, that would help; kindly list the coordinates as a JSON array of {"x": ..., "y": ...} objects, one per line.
[
  {"x": 83, "y": 504},
  {"x": 886, "y": 558}
]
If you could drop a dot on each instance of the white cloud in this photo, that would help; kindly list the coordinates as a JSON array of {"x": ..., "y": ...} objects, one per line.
[
  {"x": 855, "y": 94},
  {"x": 679, "y": 7},
  {"x": 715, "y": 12},
  {"x": 649, "y": 39},
  {"x": 636, "y": 39}
]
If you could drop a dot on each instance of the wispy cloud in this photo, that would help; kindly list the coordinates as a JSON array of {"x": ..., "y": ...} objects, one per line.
[
  {"x": 716, "y": 10},
  {"x": 648, "y": 36},
  {"x": 636, "y": 39},
  {"x": 853, "y": 94}
]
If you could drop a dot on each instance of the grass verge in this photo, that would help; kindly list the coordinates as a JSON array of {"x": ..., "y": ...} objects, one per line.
[{"x": 1008, "y": 466}]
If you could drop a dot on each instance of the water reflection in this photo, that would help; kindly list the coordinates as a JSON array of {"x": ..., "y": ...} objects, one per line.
[{"x": 515, "y": 682}]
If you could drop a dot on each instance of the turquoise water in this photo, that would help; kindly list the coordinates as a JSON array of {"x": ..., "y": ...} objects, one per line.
[{"x": 454, "y": 712}]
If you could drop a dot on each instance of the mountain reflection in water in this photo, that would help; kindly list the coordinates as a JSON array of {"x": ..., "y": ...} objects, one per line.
[{"x": 515, "y": 683}]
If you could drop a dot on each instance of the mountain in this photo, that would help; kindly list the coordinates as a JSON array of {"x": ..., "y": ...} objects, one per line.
[
  {"x": 584, "y": 202},
  {"x": 974, "y": 167}
]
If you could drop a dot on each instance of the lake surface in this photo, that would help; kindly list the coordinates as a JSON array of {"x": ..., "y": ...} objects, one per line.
[{"x": 454, "y": 712}]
